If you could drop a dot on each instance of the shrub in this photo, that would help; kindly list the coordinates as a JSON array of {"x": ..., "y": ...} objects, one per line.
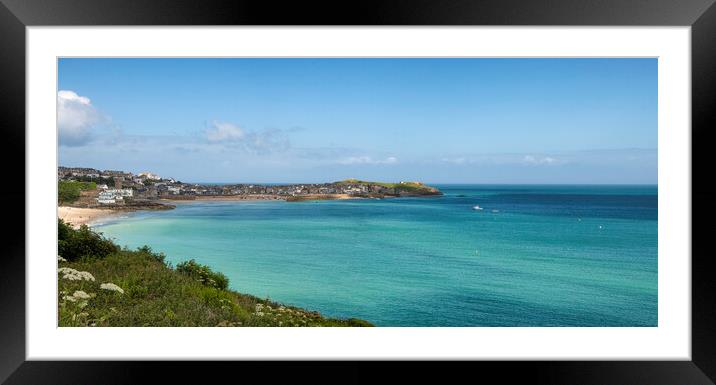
[
  {"x": 82, "y": 243},
  {"x": 109, "y": 181},
  {"x": 69, "y": 191},
  {"x": 358, "y": 322},
  {"x": 203, "y": 274},
  {"x": 146, "y": 250}
]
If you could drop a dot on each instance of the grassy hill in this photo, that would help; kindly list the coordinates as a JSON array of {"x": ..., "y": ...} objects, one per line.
[
  {"x": 69, "y": 191},
  {"x": 408, "y": 187},
  {"x": 101, "y": 284}
]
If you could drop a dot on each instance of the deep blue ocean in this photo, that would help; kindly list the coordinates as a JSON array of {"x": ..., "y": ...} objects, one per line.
[{"x": 533, "y": 256}]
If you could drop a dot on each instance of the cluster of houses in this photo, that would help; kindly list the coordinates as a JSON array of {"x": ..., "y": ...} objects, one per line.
[
  {"x": 69, "y": 172},
  {"x": 113, "y": 187},
  {"x": 113, "y": 195},
  {"x": 148, "y": 186}
]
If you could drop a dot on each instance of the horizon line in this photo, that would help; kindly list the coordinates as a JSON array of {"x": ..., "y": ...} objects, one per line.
[{"x": 446, "y": 183}]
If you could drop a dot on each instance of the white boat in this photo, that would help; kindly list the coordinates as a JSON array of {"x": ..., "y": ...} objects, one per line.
[{"x": 476, "y": 207}]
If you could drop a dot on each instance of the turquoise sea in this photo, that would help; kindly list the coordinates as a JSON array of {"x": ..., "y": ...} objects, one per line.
[{"x": 534, "y": 256}]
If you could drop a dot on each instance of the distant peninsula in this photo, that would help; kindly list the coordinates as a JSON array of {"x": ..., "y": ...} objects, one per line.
[{"x": 120, "y": 190}]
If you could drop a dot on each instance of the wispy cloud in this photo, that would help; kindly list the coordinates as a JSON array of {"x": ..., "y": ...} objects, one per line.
[
  {"x": 260, "y": 142},
  {"x": 603, "y": 157},
  {"x": 225, "y": 132},
  {"x": 344, "y": 156},
  {"x": 504, "y": 159},
  {"x": 540, "y": 160},
  {"x": 367, "y": 160}
]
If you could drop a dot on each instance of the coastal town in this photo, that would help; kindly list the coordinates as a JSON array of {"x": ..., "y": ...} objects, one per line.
[{"x": 122, "y": 189}]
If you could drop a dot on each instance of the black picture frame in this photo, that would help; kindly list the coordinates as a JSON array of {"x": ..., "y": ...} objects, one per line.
[{"x": 15, "y": 15}]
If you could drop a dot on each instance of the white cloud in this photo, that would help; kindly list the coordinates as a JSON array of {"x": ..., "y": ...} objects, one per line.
[
  {"x": 503, "y": 159},
  {"x": 458, "y": 160},
  {"x": 367, "y": 160},
  {"x": 539, "y": 160},
  {"x": 225, "y": 132},
  {"x": 75, "y": 117},
  {"x": 260, "y": 142}
]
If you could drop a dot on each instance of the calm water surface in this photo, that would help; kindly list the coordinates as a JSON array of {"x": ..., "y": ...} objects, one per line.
[{"x": 534, "y": 256}]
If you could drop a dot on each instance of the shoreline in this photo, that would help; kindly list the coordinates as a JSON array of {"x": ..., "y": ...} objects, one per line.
[
  {"x": 258, "y": 198},
  {"x": 78, "y": 216},
  {"x": 225, "y": 198}
]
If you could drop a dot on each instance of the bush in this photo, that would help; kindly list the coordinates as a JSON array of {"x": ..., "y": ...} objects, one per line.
[
  {"x": 146, "y": 250},
  {"x": 203, "y": 274},
  {"x": 69, "y": 191},
  {"x": 83, "y": 243},
  {"x": 358, "y": 322},
  {"x": 109, "y": 181}
]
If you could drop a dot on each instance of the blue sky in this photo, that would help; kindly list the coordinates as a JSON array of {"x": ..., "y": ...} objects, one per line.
[{"x": 316, "y": 120}]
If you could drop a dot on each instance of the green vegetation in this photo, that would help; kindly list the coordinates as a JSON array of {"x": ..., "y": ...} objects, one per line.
[
  {"x": 122, "y": 287},
  {"x": 147, "y": 251},
  {"x": 409, "y": 187},
  {"x": 109, "y": 181},
  {"x": 82, "y": 243},
  {"x": 68, "y": 191},
  {"x": 202, "y": 273}
]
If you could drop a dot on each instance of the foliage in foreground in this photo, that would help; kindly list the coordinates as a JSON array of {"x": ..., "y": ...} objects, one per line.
[
  {"x": 82, "y": 243},
  {"x": 136, "y": 288},
  {"x": 68, "y": 191},
  {"x": 202, "y": 273}
]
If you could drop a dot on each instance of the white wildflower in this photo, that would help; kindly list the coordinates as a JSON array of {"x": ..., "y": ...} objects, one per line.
[
  {"x": 79, "y": 294},
  {"x": 86, "y": 276},
  {"x": 111, "y": 287},
  {"x": 60, "y": 259},
  {"x": 69, "y": 298},
  {"x": 74, "y": 275},
  {"x": 69, "y": 273}
]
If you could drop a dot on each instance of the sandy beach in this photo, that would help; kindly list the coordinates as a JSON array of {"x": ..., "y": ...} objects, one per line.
[{"x": 79, "y": 216}]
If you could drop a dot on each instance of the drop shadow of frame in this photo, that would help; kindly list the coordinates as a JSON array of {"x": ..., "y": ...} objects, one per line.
[{"x": 15, "y": 15}]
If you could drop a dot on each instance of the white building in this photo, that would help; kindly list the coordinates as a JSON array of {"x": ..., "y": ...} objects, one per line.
[
  {"x": 173, "y": 189},
  {"x": 149, "y": 175},
  {"x": 112, "y": 195},
  {"x": 106, "y": 198},
  {"x": 121, "y": 192}
]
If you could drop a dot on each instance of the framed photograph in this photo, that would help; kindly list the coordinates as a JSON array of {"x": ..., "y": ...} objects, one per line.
[{"x": 482, "y": 182}]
